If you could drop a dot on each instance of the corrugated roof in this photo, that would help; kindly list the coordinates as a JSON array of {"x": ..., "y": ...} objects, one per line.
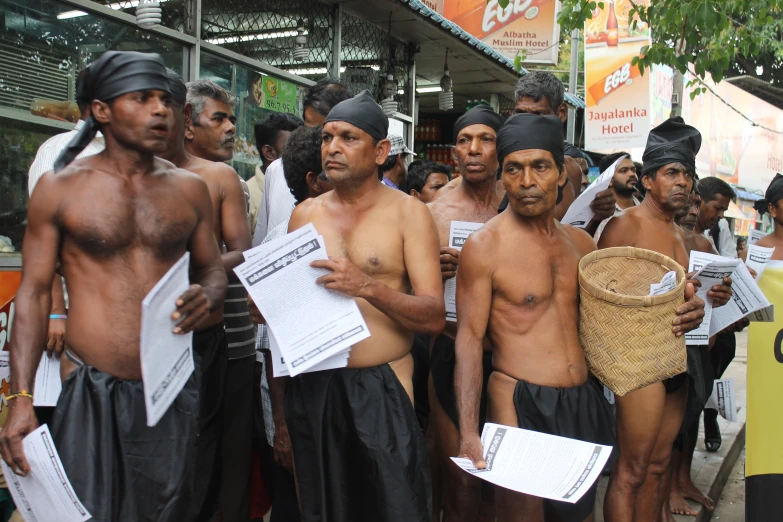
[
  {"x": 747, "y": 196},
  {"x": 477, "y": 44}
]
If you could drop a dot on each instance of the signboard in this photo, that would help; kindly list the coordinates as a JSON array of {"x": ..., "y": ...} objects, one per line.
[
  {"x": 524, "y": 25},
  {"x": 273, "y": 94},
  {"x": 617, "y": 95}
]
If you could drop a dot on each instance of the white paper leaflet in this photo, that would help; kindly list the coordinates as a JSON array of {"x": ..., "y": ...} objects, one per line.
[
  {"x": 538, "y": 464},
  {"x": 757, "y": 259},
  {"x": 754, "y": 236},
  {"x": 48, "y": 384},
  {"x": 723, "y": 399},
  {"x": 579, "y": 213},
  {"x": 458, "y": 234},
  {"x": 279, "y": 278},
  {"x": 667, "y": 284},
  {"x": 609, "y": 394},
  {"x": 765, "y": 315},
  {"x": 45, "y": 494},
  {"x": 5, "y": 366},
  {"x": 746, "y": 298},
  {"x": 279, "y": 368},
  {"x": 166, "y": 358},
  {"x": 274, "y": 243},
  {"x": 711, "y": 270}
]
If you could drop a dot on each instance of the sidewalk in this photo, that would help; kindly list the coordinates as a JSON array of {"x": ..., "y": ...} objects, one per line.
[{"x": 710, "y": 471}]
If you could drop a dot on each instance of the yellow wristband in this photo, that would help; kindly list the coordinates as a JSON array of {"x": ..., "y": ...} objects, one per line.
[{"x": 22, "y": 393}]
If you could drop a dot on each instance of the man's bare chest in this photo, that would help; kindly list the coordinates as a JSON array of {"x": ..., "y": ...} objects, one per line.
[
  {"x": 375, "y": 249},
  {"x": 159, "y": 223}
]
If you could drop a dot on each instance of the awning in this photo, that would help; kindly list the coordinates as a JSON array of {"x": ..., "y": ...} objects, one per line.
[
  {"x": 477, "y": 70},
  {"x": 748, "y": 196}
]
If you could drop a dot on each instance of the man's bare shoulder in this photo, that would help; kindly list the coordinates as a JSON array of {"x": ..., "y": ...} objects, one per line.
[
  {"x": 583, "y": 241},
  {"x": 767, "y": 241},
  {"x": 621, "y": 230}
]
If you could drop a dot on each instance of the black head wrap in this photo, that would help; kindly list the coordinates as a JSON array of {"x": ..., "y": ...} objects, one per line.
[
  {"x": 179, "y": 92},
  {"x": 115, "y": 73},
  {"x": 363, "y": 112},
  {"x": 479, "y": 115},
  {"x": 531, "y": 131},
  {"x": 773, "y": 194},
  {"x": 673, "y": 141},
  {"x": 574, "y": 152}
]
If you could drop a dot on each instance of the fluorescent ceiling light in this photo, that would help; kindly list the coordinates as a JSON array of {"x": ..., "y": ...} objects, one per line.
[
  {"x": 123, "y": 5},
  {"x": 322, "y": 70},
  {"x": 429, "y": 88},
  {"x": 250, "y": 37}
]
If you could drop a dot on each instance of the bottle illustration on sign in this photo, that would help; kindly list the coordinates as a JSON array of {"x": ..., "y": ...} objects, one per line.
[{"x": 612, "y": 35}]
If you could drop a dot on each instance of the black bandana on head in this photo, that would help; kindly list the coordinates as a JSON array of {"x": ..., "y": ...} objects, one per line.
[
  {"x": 479, "y": 115},
  {"x": 773, "y": 194},
  {"x": 673, "y": 141},
  {"x": 179, "y": 92},
  {"x": 363, "y": 112},
  {"x": 115, "y": 73},
  {"x": 531, "y": 131}
]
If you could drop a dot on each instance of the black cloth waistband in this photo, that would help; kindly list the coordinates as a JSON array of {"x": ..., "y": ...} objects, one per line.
[
  {"x": 359, "y": 452},
  {"x": 121, "y": 469}
]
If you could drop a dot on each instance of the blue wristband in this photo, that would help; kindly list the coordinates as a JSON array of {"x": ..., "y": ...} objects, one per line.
[{"x": 58, "y": 316}]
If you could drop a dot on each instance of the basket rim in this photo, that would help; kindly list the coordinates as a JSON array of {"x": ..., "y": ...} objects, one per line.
[{"x": 631, "y": 300}]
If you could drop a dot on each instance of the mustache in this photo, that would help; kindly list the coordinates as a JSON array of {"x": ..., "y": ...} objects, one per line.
[{"x": 227, "y": 141}]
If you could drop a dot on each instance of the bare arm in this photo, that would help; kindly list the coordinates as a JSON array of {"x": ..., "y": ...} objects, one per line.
[
  {"x": 56, "y": 335},
  {"x": 233, "y": 222},
  {"x": 33, "y": 303},
  {"x": 474, "y": 298},
  {"x": 208, "y": 278},
  {"x": 424, "y": 311},
  {"x": 281, "y": 450}
]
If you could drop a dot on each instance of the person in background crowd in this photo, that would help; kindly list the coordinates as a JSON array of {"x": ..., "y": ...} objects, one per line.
[
  {"x": 359, "y": 453},
  {"x": 773, "y": 203},
  {"x": 271, "y": 135},
  {"x": 117, "y": 221},
  {"x": 277, "y": 202},
  {"x": 742, "y": 248},
  {"x": 623, "y": 185},
  {"x": 716, "y": 195},
  {"x": 476, "y": 199},
  {"x": 44, "y": 162},
  {"x": 426, "y": 178},
  {"x": 395, "y": 168},
  {"x": 542, "y": 93},
  {"x": 304, "y": 174},
  {"x": 209, "y": 134}
]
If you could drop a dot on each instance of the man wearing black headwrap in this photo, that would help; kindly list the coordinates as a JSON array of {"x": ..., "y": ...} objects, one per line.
[
  {"x": 117, "y": 221},
  {"x": 649, "y": 419},
  {"x": 539, "y": 378},
  {"x": 359, "y": 453},
  {"x": 210, "y": 340},
  {"x": 475, "y": 199}
]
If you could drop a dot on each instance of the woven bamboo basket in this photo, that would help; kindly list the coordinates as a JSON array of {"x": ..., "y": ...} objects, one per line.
[{"x": 626, "y": 333}]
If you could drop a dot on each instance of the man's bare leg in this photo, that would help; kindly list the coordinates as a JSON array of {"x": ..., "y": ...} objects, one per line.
[
  {"x": 461, "y": 491},
  {"x": 649, "y": 499},
  {"x": 682, "y": 485},
  {"x": 639, "y": 417},
  {"x": 511, "y": 506}
]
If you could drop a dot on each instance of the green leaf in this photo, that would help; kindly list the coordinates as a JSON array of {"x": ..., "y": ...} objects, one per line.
[
  {"x": 518, "y": 62},
  {"x": 502, "y": 3}
]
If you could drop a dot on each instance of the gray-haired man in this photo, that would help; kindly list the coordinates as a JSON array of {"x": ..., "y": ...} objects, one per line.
[{"x": 209, "y": 134}]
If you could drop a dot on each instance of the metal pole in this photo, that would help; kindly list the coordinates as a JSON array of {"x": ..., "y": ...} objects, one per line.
[
  {"x": 572, "y": 84},
  {"x": 194, "y": 51},
  {"x": 337, "y": 37},
  {"x": 412, "y": 104}
]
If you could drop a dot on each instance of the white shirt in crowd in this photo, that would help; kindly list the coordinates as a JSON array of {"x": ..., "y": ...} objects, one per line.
[
  {"x": 727, "y": 246},
  {"x": 50, "y": 150},
  {"x": 277, "y": 203}
]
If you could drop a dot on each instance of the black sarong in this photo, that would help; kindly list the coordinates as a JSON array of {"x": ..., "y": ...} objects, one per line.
[
  {"x": 442, "y": 361},
  {"x": 581, "y": 413},
  {"x": 700, "y": 379},
  {"x": 420, "y": 351},
  {"x": 359, "y": 453},
  {"x": 211, "y": 353},
  {"x": 122, "y": 470}
]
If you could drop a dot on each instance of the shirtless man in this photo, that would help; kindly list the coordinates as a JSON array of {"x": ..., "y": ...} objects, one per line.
[
  {"x": 476, "y": 200},
  {"x": 209, "y": 342},
  {"x": 649, "y": 419},
  {"x": 117, "y": 221},
  {"x": 517, "y": 284},
  {"x": 359, "y": 454}
]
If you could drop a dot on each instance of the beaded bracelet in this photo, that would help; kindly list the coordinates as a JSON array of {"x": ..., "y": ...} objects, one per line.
[
  {"x": 22, "y": 393},
  {"x": 58, "y": 316}
]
